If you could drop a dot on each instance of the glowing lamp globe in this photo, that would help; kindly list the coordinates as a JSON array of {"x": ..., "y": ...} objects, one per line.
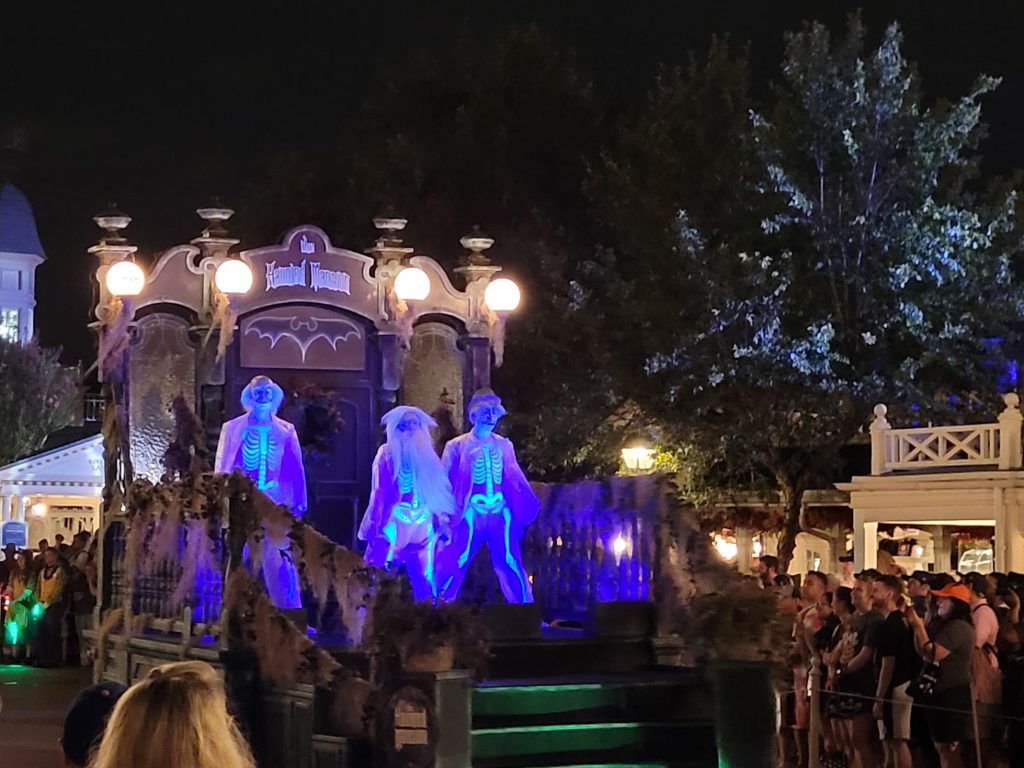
[
  {"x": 638, "y": 457},
  {"x": 502, "y": 295},
  {"x": 233, "y": 277},
  {"x": 125, "y": 278},
  {"x": 412, "y": 284},
  {"x": 39, "y": 509}
]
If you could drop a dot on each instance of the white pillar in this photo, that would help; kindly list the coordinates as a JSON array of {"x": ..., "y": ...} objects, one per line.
[
  {"x": 879, "y": 450},
  {"x": 19, "y": 507},
  {"x": 6, "y": 512},
  {"x": 1010, "y": 421},
  {"x": 865, "y": 541},
  {"x": 1001, "y": 555},
  {"x": 1014, "y": 541},
  {"x": 744, "y": 549}
]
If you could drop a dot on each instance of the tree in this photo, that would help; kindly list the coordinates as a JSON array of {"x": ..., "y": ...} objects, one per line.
[
  {"x": 862, "y": 270},
  {"x": 37, "y": 398}
]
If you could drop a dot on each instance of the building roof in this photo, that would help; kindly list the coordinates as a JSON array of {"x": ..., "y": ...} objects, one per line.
[{"x": 18, "y": 232}]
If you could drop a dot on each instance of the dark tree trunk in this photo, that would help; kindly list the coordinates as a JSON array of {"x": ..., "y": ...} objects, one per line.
[{"x": 791, "y": 527}]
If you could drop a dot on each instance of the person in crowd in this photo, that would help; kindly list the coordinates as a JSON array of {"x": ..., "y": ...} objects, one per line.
[
  {"x": 7, "y": 565},
  {"x": 1012, "y": 665},
  {"x": 843, "y": 612},
  {"x": 85, "y": 721},
  {"x": 998, "y": 587},
  {"x": 48, "y": 645},
  {"x": 894, "y": 664},
  {"x": 852, "y": 674},
  {"x": 40, "y": 559},
  {"x": 846, "y": 577},
  {"x": 949, "y": 647},
  {"x": 81, "y": 599},
  {"x": 18, "y": 622},
  {"x": 60, "y": 546},
  {"x": 767, "y": 569},
  {"x": 176, "y": 716},
  {"x": 918, "y": 590},
  {"x": 985, "y": 676},
  {"x": 810, "y": 620}
]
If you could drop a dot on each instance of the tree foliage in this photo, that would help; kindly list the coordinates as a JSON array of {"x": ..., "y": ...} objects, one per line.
[
  {"x": 38, "y": 396},
  {"x": 864, "y": 271}
]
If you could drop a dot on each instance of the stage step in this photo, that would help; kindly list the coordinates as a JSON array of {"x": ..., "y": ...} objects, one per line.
[
  {"x": 657, "y": 719},
  {"x": 573, "y": 655}
]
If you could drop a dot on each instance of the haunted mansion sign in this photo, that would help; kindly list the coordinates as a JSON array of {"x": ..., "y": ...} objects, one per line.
[{"x": 321, "y": 321}]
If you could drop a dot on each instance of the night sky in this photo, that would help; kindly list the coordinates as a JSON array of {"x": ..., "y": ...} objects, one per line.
[{"x": 158, "y": 112}]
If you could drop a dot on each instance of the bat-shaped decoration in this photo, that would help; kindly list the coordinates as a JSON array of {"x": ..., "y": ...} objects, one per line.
[{"x": 303, "y": 332}]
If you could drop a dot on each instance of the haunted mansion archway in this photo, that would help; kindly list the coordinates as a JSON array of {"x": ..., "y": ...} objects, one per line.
[{"x": 325, "y": 324}]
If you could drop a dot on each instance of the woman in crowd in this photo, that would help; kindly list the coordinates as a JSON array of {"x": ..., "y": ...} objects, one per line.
[
  {"x": 177, "y": 717},
  {"x": 19, "y": 623},
  {"x": 950, "y": 647},
  {"x": 842, "y": 607}
]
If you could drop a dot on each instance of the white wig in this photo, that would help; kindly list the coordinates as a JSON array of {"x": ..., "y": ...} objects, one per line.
[
  {"x": 248, "y": 403},
  {"x": 393, "y": 418}
]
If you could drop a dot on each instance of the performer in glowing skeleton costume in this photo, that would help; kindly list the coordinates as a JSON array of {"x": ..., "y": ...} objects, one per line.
[
  {"x": 495, "y": 498},
  {"x": 266, "y": 449},
  {"x": 411, "y": 500}
]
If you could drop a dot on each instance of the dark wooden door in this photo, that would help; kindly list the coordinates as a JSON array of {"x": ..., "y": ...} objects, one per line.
[{"x": 331, "y": 387}]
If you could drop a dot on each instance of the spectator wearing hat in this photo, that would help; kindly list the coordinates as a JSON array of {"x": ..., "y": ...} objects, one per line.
[
  {"x": 950, "y": 647},
  {"x": 85, "y": 721},
  {"x": 918, "y": 590}
]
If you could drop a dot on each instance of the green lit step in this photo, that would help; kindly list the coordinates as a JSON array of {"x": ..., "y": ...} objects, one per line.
[
  {"x": 659, "y": 700},
  {"x": 616, "y": 741}
]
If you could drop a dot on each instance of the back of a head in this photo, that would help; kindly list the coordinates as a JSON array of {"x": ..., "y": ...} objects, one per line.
[
  {"x": 86, "y": 718},
  {"x": 174, "y": 718}
]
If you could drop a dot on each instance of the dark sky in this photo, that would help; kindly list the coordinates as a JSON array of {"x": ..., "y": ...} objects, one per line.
[{"x": 159, "y": 110}]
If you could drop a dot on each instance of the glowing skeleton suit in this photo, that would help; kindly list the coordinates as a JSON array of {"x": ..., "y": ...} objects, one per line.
[
  {"x": 410, "y": 501},
  {"x": 496, "y": 500},
  {"x": 267, "y": 449}
]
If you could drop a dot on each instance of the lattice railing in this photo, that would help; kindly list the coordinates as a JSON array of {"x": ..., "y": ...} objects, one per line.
[
  {"x": 943, "y": 446},
  {"x": 995, "y": 444}
]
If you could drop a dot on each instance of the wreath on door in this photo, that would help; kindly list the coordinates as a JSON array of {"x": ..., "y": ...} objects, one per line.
[{"x": 316, "y": 415}]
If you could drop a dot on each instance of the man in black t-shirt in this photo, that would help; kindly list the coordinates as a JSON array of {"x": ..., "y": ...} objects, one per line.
[{"x": 895, "y": 660}]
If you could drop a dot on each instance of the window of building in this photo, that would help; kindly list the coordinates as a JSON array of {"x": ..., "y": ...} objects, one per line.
[{"x": 10, "y": 321}]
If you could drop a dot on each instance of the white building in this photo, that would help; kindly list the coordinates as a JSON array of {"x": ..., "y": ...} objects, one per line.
[
  {"x": 20, "y": 254},
  {"x": 57, "y": 490},
  {"x": 941, "y": 480}
]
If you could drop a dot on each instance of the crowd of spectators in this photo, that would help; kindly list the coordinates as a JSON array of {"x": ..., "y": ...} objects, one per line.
[
  {"x": 47, "y": 601},
  {"x": 917, "y": 671}
]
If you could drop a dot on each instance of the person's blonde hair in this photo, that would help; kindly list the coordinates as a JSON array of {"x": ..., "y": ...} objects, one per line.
[{"x": 176, "y": 717}]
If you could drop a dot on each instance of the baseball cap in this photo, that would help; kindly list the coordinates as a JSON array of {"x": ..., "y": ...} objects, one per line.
[
  {"x": 955, "y": 591},
  {"x": 921, "y": 576},
  {"x": 86, "y": 718},
  {"x": 847, "y": 558}
]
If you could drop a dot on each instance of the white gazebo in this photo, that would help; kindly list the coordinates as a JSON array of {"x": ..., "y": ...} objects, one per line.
[
  {"x": 55, "y": 491},
  {"x": 944, "y": 477}
]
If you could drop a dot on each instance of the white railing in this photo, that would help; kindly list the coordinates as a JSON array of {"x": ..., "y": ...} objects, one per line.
[{"x": 996, "y": 444}]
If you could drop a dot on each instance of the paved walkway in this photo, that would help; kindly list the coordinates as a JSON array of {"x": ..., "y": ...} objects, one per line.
[{"x": 34, "y": 701}]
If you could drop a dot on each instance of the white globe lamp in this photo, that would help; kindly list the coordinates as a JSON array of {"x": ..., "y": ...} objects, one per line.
[
  {"x": 412, "y": 284},
  {"x": 125, "y": 278},
  {"x": 233, "y": 277},
  {"x": 502, "y": 295}
]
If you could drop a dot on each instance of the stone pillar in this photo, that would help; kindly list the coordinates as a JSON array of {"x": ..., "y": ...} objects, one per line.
[
  {"x": 865, "y": 541},
  {"x": 19, "y": 508},
  {"x": 6, "y": 509}
]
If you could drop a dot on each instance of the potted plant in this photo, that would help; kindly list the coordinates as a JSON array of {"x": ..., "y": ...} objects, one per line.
[
  {"x": 421, "y": 637},
  {"x": 737, "y": 629}
]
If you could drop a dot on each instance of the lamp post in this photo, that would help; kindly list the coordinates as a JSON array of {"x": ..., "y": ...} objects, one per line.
[
  {"x": 637, "y": 457},
  {"x": 119, "y": 278}
]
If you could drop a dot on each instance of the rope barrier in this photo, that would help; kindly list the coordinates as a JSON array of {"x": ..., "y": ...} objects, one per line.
[{"x": 916, "y": 703}]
